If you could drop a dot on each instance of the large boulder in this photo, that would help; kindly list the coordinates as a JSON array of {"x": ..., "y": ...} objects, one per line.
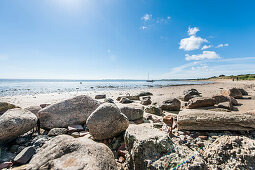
[
  {"x": 197, "y": 119},
  {"x": 200, "y": 102},
  {"x": 189, "y": 94},
  {"x": 133, "y": 112},
  {"x": 230, "y": 152},
  {"x": 5, "y": 106},
  {"x": 107, "y": 121},
  {"x": 234, "y": 92},
  {"x": 171, "y": 105},
  {"x": 15, "y": 122},
  {"x": 66, "y": 152},
  {"x": 220, "y": 98},
  {"x": 68, "y": 112},
  {"x": 144, "y": 144},
  {"x": 145, "y": 94}
]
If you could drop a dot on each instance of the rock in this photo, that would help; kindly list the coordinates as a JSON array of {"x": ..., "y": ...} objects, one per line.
[
  {"x": 171, "y": 105},
  {"x": 57, "y": 131},
  {"x": 191, "y": 92},
  {"x": 230, "y": 152},
  {"x": 125, "y": 100},
  {"x": 34, "y": 109},
  {"x": 244, "y": 93},
  {"x": 187, "y": 97},
  {"x": 25, "y": 155},
  {"x": 132, "y": 112},
  {"x": 68, "y": 112},
  {"x": 145, "y": 143},
  {"x": 66, "y": 152},
  {"x": 5, "y": 106},
  {"x": 100, "y": 96},
  {"x": 200, "y": 102},
  {"x": 44, "y": 105},
  {"x": 107, "y": 121},
  {"x": 6, "y": 165},
  {"x": 153, "y": 110},
  {"x": 14, "y": 148},
  {"x": 15, "y": 122},
  {"x": 220, "y": 98},
  {"x": 145, "y": 94},
  {"x": 197, "y": 119},
  {"x": 146, "y": 101},
  {"x": 128, "y": 97},
  {"x": 108, "y": 100},
  {"x": 226, "y": 105},
  {"x": 234, "y": 92},
  {"x": 74, "y": 128},
  {"x": 83, "y": 133},
  {"x": 168, "y": 120}
]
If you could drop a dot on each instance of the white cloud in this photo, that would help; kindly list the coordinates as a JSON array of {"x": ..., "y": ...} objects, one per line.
[
  {"x": 222, "y": 45},
  {"x": 206, "y": 47},
  {"x": 163, "y": 20},
  {"x": 191, "y": 43},
  {"x": 193, "y": 31},
  {"x": 147, "y": 17},
  {"x": 205, "y": 55}
]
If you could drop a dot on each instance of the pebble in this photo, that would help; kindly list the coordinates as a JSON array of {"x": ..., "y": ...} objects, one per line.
[
  {"x": 75, "y": 134},
  {"x": 203, "y": 137},
  {"x": 75, "y": 128}
]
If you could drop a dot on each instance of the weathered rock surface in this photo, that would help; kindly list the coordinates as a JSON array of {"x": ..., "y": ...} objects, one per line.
[
  {"x": 171, "y": 105},
  {"x": 189, "y": 94},
  {"x": 5, "y": 106},
  {"x": 108, "y": 100},
  {"x": 100, "y": 96},
  {"x": 154, "y": 110},
  {"x": 129, "y": 97},
  {"x": 197, "y": 119},
  {"x": 15, "y": 122},
  {"x": 146, "y": 101},
  {"x": 200, "y": 102},
  {"x": 107, "y": 121},
  {"x": 34, "y": 109},
  {"x": 234, "y": 92},
  {"x": 25, "y": 155},
  {"x": 230, "y": 152},
  {"x": 225, "y": 105},
  {"x": 132, "y": 112},
  {"x": 244, "y": 93},
  {"x": 220, "y": 98},
  {"x": 68, "y": 112},
  {"x": 125, "y": 100},
  {"x": 145, "y": 94},
  {"x": 57, "y": 131},
  {"x": 66, "y": 152},
  {"x": 145, "y": 143}
]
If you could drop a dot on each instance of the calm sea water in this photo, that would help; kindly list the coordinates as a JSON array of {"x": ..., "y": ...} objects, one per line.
[{"x": 9, "y": 87}]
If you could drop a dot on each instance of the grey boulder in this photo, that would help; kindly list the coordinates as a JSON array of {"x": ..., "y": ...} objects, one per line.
[
  {"x": 14, "y": 123},
  {"x": 234, "y": 92},
  {"x": 25, "y": 155},
  {"x": 200, "y": 102},
  {"x": 68, "y": 112},
  {"x": 171, "y": 105},
  {"x": 66, "y": 152},
  {"x": 197, "y": 119},
  {"x": 144, "y": 144},
  {"x": 133, "y": 112},
  {"x": 106, "y": 122}
]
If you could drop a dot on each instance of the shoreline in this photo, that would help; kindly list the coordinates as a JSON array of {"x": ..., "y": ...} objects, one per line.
[{"x": 159, "y": 93}]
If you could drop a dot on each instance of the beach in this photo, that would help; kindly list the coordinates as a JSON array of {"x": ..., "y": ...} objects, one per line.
[{"x": 159, "y": 94}]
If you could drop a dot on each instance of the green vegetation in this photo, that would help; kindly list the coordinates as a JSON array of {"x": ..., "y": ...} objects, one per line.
[{"x": 239, "y": 77}]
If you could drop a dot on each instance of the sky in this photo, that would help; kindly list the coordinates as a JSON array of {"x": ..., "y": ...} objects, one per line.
[{"x": 126, "y": 39}]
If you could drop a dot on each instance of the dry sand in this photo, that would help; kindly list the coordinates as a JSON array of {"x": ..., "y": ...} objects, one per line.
[{"x": 159, "y": 94}]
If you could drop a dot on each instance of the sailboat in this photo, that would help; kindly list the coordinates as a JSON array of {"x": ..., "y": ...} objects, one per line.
[{"x": 148, "y": 80}]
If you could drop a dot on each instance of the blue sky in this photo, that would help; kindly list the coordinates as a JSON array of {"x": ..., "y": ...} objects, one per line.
[{"x": 98, "y": 39}]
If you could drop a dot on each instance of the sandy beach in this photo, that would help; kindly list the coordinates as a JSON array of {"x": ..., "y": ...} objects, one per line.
[{"x": 159, "y": 94}]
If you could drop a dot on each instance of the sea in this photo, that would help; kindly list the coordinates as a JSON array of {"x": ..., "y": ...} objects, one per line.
[{"x": 11, "y": 87}]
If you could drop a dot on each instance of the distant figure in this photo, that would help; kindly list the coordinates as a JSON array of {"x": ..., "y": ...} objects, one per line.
[
  {"x": 233, "y": 79},
  {"x": 237, "y": 78}
]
